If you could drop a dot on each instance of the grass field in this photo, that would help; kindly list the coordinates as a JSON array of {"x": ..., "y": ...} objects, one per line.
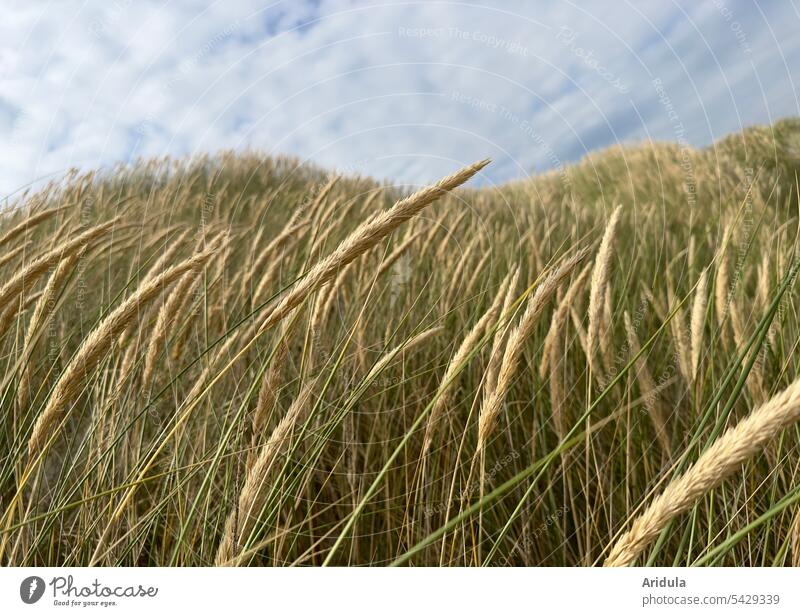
[{"x": 242, "y": 360}]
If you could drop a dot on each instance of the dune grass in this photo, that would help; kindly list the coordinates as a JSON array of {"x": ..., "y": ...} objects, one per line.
[{"x": 246, "y": 360}]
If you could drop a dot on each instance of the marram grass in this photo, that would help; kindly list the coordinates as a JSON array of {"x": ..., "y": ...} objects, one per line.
[{"x": 244, "y": 360}]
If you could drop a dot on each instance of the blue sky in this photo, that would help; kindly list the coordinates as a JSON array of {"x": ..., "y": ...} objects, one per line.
[{"x": 405, "y": 91}]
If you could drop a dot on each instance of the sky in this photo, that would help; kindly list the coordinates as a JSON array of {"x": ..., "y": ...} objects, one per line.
[{"x": 401, "y": 91}]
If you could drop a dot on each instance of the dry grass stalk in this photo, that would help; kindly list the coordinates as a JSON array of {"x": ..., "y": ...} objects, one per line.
[
  {"x": 319, "y": 241},
  {"x": 225, "y": 350},
  {"x": 558, "y": 391},
  {"x": 721, "y": 290},
  {"x": 326, "y": 212},
  {"x": 166, "y": 256},
  {"x": 661, "y": 313},
  {"x": 41, "y": 313},
  {"x": 33, "y": 271},
  {"x": 762, "y": 283},
  {"x": 319, "y": 201},
  {"x": 318, "y": 315},
  {"x": 559, "y": 319},
  {"x": 444, "y": 246},
  {"x": 437, "y": 224},
  {"x": 795, "y": 538},
  {"x": 580, "y": 331},
  {"x": 679, "y": 335},
  {"x": 470, "y": 340},
  {"x": 659, "y": 412},
  {"x": 335, "y": 289},
  {"x": 409, "y": 344},
  {"x": 364, "y": 238},
  {"x": 698, "y": 320},
  {"x": 127, "y": 364},
  {"x": 95, "y": 345},
  {"x": 764, "y": 286},
  {"x": 492, "y": 404},
  {"x": 724, "y": 457},
  {"x": 597, "y": 290},
  {"x": 501, "y": 334},
  {"x": 476, "y": 274},
  {"x": 182, "y": 296},
  {"x": 606, "y": 332},
  {"x": 371, "y": 198},
  {"x": 280, "y": 243},
  {"x": 268, "y": 392},
  {"x": 552, "y": 347},
  {"x": 16, "y": 309},
  {"x": 169, "y": 311},
  {"x": 242, "y": 519},
  {"x": 29, "y": 223},
  {"x": 13, "y": 254},
  {"x": 454, "y": 278}
]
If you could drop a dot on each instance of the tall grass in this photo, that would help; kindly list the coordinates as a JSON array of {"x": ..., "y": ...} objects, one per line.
[{"x": 246, "y": 360}]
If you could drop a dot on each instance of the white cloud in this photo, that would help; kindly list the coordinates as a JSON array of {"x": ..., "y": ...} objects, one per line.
[{"x": 402, "y": 90}]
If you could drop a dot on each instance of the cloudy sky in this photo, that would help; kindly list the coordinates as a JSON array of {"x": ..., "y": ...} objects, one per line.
[{"x": 405, "y": 91}]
